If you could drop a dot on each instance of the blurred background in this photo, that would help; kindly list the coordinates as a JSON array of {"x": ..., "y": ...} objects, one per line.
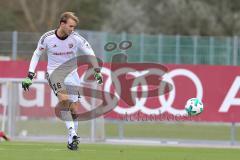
[
  {"x": 185, "y": 17},
  {"x": 177, "y": 31},
  {"x": 199, "y": 35}
]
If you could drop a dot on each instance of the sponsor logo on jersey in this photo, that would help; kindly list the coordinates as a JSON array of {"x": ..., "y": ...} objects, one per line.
[{"x": 62, "y": 53}]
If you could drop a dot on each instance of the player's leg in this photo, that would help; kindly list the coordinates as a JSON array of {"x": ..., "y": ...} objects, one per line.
[
  {"x": 74, "y": 108},
  {"x": 69, "y": 108},
  {"x": 3, "y": 135},
  {"x": 66, "y": 108},
  {"x": 74, "y": 112},
  {"x": 74, "y": 80}
]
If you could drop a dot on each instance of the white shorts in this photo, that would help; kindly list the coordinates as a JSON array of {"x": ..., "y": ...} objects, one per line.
[{"x": 72, "y": 79}]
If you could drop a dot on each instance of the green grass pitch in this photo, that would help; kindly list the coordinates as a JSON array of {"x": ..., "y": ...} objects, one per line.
[{"x": 58, "y": 151}]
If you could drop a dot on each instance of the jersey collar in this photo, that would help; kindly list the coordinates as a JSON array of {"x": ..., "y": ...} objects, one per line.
[{"x": 61, "y": 38}]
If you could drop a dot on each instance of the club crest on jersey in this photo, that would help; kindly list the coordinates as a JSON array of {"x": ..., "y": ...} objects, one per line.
[
  {"x": 70, "y": 45},
  {"x": 41, "y": 48},
  {"x": 54, "y": 46}
]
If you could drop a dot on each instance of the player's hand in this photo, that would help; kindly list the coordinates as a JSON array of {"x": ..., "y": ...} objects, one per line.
[
  {"x": 27, "y": 82},
  {"x": 98, "y": 76}
]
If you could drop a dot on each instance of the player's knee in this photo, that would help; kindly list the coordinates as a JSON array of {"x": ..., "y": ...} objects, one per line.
[
  {"x": 62, "y": 96},
  {"x": 62, "y": 110},
  {"x": 74, "y": 110},
  {"x": 74, "y": 107},
  {"x": 64, "y": 105}
]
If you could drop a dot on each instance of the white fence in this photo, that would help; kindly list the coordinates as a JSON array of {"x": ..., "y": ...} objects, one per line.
[{"x": 175, "y": 49}]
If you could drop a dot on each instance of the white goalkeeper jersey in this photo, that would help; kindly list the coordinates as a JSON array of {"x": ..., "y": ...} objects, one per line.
[{"x": 59, "y": 50}]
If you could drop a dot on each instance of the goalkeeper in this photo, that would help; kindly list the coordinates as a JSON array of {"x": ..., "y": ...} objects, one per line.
[{"x": 61, "y": 45}]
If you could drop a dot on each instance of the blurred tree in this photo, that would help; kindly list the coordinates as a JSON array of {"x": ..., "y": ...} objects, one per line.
[
  {"x": 188, "y": 17},
  {"x": 40, "y": 16},
  {"x": 91, "y": 13},
  {"x": 200, "y": 17},
  {"x": 125, "y": 15}
]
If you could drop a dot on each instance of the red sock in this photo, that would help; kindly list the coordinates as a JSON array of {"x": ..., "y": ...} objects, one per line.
[{"x": 4, "y": 136}]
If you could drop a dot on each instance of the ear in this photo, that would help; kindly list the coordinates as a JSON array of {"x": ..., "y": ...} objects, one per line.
[{"x": 61, "y": 23}]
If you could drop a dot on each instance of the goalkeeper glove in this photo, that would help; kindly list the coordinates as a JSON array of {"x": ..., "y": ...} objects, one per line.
[
  {"x": 98, "y": 76},
  {"x": 27, "y": 81}
]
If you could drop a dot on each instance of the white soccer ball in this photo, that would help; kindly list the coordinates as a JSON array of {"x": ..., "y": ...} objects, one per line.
[{"x": 194, "y": 106}]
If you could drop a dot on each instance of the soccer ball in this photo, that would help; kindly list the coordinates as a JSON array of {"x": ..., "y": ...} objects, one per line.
[{"x": 194, "y": 106}]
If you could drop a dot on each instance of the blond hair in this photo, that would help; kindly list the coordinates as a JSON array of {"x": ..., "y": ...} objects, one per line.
[{"x": 68, "y": 15}]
